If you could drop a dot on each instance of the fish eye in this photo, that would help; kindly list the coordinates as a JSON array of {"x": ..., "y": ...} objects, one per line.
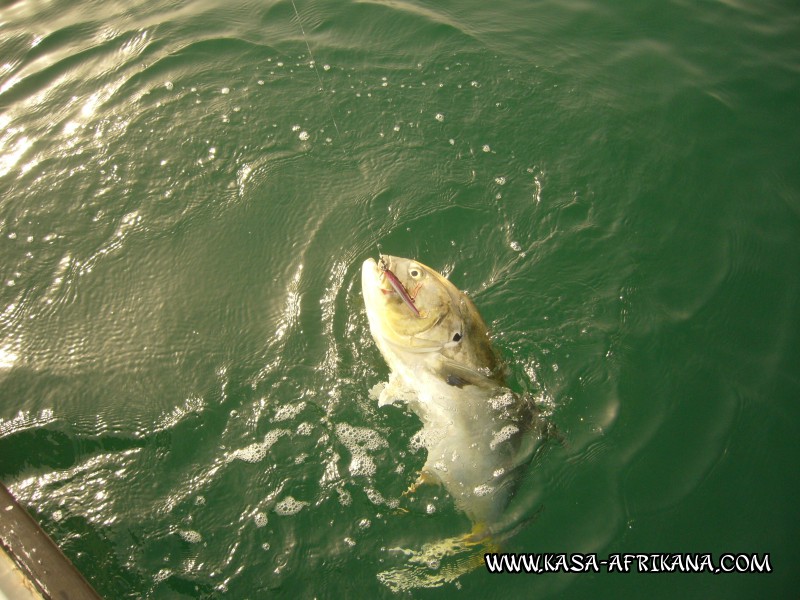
[
  {"x": 415, "y": 272},
  {"x": 457, "y": 337}
]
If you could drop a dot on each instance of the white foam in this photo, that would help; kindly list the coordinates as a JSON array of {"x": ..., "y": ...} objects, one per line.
[
  {"x": 256, "y": 452},
  {"x": 427, "y": 438},
  {"x": 358, "y": 440},
  {"x": 289, "y": 506},
  {"x": 499, "y": 402},
  {"x": 191, "y": 536},
  {"x": 289, "y": 411},
  {"x": 260, "y": 518},
  {"x": 501, "y": 436},
  {"x": 162, "y": 575},
  {"x": 483, "y": 490},
  {"x": 345, "y": 498}
]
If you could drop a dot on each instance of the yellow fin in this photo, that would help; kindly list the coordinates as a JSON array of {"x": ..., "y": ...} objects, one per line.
[
  {"x": 438, "y": 563},
  {"x": 424, "y": 478}
]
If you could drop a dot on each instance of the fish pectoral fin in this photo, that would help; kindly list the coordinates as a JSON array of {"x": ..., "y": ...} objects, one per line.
[
  {"x": 458, "y": 375},
  {"x": 424, "y": 478},
  {"x": 391, "y": 392}
]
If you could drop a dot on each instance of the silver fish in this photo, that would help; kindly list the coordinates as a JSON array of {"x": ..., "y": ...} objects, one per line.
[{"x": 479, "y": 435}]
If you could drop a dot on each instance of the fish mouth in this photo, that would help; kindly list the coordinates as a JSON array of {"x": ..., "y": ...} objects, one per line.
[
  {"x": 370, "y": 273},
  {"x": 373, "y": 284},
  {"x": 372, "y": 276}
]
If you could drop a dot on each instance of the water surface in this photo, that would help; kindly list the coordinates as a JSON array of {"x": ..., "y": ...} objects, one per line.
[{"x": 187, "y": 192}]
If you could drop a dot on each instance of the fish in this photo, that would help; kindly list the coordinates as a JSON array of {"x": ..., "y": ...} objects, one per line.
[{"x": 479, "y": 434}]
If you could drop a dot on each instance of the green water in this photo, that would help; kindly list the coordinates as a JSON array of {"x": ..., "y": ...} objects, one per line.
[{"x": 185, "y": 203}]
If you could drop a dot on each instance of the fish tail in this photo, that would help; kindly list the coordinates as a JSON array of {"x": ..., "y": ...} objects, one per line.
[{"x": 442, "y": 562}]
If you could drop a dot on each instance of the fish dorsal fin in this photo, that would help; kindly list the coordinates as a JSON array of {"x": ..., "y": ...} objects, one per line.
[{"x": 459, "y": 375}]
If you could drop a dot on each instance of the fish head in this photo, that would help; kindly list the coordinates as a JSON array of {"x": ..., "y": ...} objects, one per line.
[{"x": 434, "y": 321}]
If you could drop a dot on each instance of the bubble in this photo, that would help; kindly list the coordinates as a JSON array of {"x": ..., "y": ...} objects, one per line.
[
  {"x": 501, "y": 436},
  {"x": 289, "y": 506},
  {"x": 439, "y": 117},
  {"x": 345, "y": 499},
  {"x": 486, "y": 148},
  {"x": 426, "y": 437},
  {"x": 305, "y": 429},
  {"x": 349, "y": 541},
  {"x": 375, "y": 496},
  {"x": 289, "y": 411},
  {"x": 57, "y": 515},
  {"x": 430, "y": 509},
  {"x": 256, "y": 452},
  {"x": 326, "y": 67},
  {"x": 358, "y": 440},
  {"x": 260, "y": 519},
  {"x": 515, "y": 246},
  {"x": 500, "y": 180},
  {"x": 303, "y": 136},
  {"x": 225, "y": 90},
  {"x": 295, "y": 127},
  {"x": 162, "y": 575},
  {"x": 483, "y": 490},
  {"x": 474, "y": 84},
  {"x": 190, "y": 535},
  {"x": 169, "y": 85},
  {"x": 502, "y": 401}
]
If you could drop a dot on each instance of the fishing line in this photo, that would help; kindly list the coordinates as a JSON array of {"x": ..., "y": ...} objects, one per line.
[
  {"x": 316, "y": 70},
  {"x": 330, "y": 110}
]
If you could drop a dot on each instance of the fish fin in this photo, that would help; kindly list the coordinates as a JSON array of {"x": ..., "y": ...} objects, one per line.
[
  {"x": 459, "y": 376},
  {"x": 424, "y": 478},
  {"x": 391, "y": 392},
  {"x": 456, "y": 381},
  {"x": 441, "y": 562}
]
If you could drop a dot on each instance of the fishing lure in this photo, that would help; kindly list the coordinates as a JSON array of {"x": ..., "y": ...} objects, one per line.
[{"x": 398, "y": 287}]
